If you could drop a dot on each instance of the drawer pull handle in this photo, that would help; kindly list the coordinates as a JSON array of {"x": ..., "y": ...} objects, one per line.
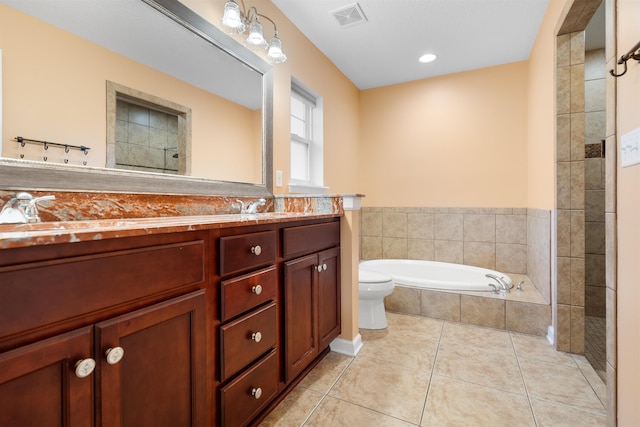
[
  {"x": 257, "y": 250},
  {"x": 85, "y": 367},
  {"x": 257, "y": 289},
  {"x": 256, "y": 392},
  {"x": 256, "y": 336},
  {"x": 114, "y": 355}
]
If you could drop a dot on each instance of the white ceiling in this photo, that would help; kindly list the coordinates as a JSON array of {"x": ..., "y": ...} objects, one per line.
[{"x": 384, "y": 50}]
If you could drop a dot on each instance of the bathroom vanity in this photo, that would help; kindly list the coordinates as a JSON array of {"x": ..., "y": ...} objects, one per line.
[{"x": 183, "y": 321}]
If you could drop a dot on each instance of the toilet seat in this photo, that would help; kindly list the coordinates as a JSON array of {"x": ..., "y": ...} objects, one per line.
[{"x": 366, "y": 276}]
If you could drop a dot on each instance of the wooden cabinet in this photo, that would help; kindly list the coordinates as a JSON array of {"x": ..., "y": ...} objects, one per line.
[
  {"x": 128, "y": 341},
  {"x": 311, "y": 293}
]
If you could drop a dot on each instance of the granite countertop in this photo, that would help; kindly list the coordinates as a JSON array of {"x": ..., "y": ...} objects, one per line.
[{"x": 47, "y": 233}]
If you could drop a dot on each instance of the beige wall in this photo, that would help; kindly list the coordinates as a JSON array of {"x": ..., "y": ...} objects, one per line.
[
  {"x": 628, "y": 208},
  {"x": 64, "y": 100},
  {"x": 447, "y": 141}
]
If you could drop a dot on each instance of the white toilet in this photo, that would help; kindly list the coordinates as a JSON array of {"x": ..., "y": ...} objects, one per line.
[{"x": 372, "y": 288}]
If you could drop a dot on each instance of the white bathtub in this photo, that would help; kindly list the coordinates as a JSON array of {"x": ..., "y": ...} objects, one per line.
[{"x": 436, "y": 275}]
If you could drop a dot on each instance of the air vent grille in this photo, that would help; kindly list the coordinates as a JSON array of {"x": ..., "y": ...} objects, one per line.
[{"x": 350, "y": 15}]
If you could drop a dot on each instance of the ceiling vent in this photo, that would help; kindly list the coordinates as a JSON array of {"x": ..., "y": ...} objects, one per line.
[{"x": 349, "y": 16}]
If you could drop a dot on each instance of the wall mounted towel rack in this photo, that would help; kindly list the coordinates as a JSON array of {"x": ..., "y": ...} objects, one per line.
[
  {"x": 634, "y": 53},
  {"x": 48, "y": 144}
]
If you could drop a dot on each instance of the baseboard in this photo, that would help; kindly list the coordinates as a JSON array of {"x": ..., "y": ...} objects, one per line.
[{"x": 349, "y": 348}]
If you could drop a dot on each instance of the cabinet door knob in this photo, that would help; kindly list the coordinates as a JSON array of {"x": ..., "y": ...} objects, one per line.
[
  {"x": 85, "y": 367},
  {"x": 256, "y": 392},
  {"x": 324, "y": 267},
  {"x": 256, "y": 336},
  {"x": 114, "y": 355},
  {"x": 319, "y": 268},
  {"x": 257, "y": 250},
  {"x": 257, "y": 289}
]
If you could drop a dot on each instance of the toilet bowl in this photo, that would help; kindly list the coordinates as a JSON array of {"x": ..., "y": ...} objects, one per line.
[{"x": 372, "y": 288}]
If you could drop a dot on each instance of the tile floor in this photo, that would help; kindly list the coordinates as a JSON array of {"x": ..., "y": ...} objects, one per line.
[
  {"x": 427, "y": 372},
  {"x": 595, "y": 342}
]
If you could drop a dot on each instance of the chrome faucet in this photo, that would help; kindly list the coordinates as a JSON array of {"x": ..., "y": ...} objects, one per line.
[
  {"x": 504, "y": 286},
  {"x": 250, "y": 208},
  {"x": 22, "y": 208}
]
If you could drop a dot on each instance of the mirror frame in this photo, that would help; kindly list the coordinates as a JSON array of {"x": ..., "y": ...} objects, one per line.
[{"x": 31, "y": 175}]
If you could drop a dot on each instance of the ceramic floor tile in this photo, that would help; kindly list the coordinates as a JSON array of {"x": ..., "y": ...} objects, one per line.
[
  {"x": 549, "y": 414},
  {"x": 461, "y": 336},
  {"x": 593, "y": 377},
  {"x": 294, "y": 409},
  {"x": 451, "y": 402},
  {"x": 384, "y": 387},
  {"x": 414, "y": 325},
  {"x": 338, "y": 413},
  {"x": 470, "y": 364},
  {"x": 327, "y": 372},
  {"x": 538, "y": 348},
  {"x": 412, "y": 351},
  {"x": 559, "y": 383}
]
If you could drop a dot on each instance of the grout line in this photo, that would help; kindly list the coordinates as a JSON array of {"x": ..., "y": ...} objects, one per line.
[
  {"x": 433, "y": 368},
  {"x": 524, "y": 383}
]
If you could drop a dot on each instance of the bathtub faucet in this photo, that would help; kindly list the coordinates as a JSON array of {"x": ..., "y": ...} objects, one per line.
[{"x": 504, "y": 286}]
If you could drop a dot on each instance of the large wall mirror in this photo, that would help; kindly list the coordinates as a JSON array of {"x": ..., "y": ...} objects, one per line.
[{"x": 163, "y": 101}]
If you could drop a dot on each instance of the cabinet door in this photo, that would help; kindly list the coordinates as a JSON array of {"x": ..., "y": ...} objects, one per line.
[
  {"x": 161, "y": 377},
  {"x": 300, "y": 294},
  {"x": 328, "y": 296},
  {"x": 39, "y": 387}
]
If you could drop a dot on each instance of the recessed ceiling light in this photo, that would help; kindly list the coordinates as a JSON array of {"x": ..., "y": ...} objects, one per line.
[{"x": 427, "y": 57}]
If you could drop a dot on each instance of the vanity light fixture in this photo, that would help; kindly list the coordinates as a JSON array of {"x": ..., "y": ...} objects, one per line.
[{"x": 237, "y": 20}]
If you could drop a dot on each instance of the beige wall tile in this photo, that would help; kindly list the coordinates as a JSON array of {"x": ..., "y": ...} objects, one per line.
[
  {"x": 420, "y": 226},
  {"x": 577, "y": 88},
  {"x": 370, "y": 247},
  {"x": 394, "y": 225},
  {"x": 479, "y": 228},
  {"x": 610, "y": 174},
  {"x": 404, "y": 300},
  {"x": 563, "y": 50},
  {"x": 577, "y": 48},
  {"x": 577, "y": 330},
  {"x": 395, "y": 248},
  {"x": 480, "y": 254},
  {"x": 563, "y": 95},
  {"x": 577, "y": 233},
  {"x": 448, "y": 226},
  {"x": 594, "y": 238},
  {"x": 563, "y": 328},
  {"x": 449, "y": 251},
  {"x": 595, "y": 301},
  {"x": 577, "y": 184},
  {"x": 482, "y": 311},
  {"x": 577, "y": 282},
  {"x": 564, "y": 232},
  {"x": 594, "y": 127},
  {"x": 563, "y": 177},
  {"x": 594, "y": 270},
  {"x": 594, "y": 95},
  {"x": 422, "y": 249},
  {"x": 595, "y": 64},
  {"x": 563, "y": 138},
  {"x": 564, "y": 280},
  {"x": 511, "y": 258},
  {"x": 593, "y": 179},
  {"x": 440, "y": 305},
  {"x": 611, "y": 250},
  {"x": 594, "y": 206},
  {"x": 577, "y": 136},
  {"x": 612, "y": 315},
  {"x": 371, "y": 223},
  {"x": 527, "y": 318},
  {"x": 511, "y": 229}
]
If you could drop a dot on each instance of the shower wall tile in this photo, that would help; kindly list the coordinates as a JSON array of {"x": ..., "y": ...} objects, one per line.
[
  {"x": 594, "y": 95},
  {"x": 577, "y": 282},
  {"x": 577, "y": 233},
  {"x": 480, "y": 254},
  {"x": 440, "y": 305},
  {"x": 563, "y": 177},
  {"x": 563, "y": 138},
  {"x": 610, "y": 175},
  {"x": 564, "y": 232},
  {"x": 594, "y": 206},
  {"x": 612, "y": 315},
  {"x": 594, "y": 127},
  {"x": 394, "y": 225},
  {"x": 511, "y": 258},
  {"x": 593, "y": 171},
  {"x": 449, "y": 227},
  {"x": 577, "y": 86},
  {"x": 511, "y": 229},
  {"x": 563, "y": 100},
  {"x": 481, "y": 311},
  {"x": 449, "y": 251},
  {"x": 577, "y": 135},
  {"x": 563, "y": 328},
  {"x": 533, "y": 319},
  {"x": 577, "y": 49},
  {"x": 577, "y": 330},
  {"x": 595, "y": 301},
  {"x": 577, "y": 184},
  {"x": 611, "y": 250},
  {"x": 479, "y": 228},
  {"x": 595, "y": 238},
  {"x": 563, "y": 50},
  {"x": 594, "y": 61},
  {"x": 564, "y": 280},
  {"x": 595, "y": 270}
]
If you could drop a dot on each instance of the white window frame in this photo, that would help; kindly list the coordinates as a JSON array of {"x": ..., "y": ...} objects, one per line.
[{"x": 314, "y": 139}]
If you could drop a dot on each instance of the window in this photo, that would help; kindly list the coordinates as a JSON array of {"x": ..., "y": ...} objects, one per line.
[{"x": 306, "y": 141}]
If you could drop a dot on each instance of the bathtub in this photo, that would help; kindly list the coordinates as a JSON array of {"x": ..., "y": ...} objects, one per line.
[{"x": 436, "y": 275}]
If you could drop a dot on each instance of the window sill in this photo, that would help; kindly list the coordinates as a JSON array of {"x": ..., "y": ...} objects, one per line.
[{"x": 307, "y": 189}]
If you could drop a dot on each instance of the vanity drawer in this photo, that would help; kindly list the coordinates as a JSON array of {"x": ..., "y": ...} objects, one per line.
[
  {"x": 37, "y": 294},
  {"x": 245, "y": 251},
  {"x": 305, "y": 239},
  {"x": 243, "y": 293},
  {"x": 243, "y": 398},
  {"x": 243, "y": 340}
]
